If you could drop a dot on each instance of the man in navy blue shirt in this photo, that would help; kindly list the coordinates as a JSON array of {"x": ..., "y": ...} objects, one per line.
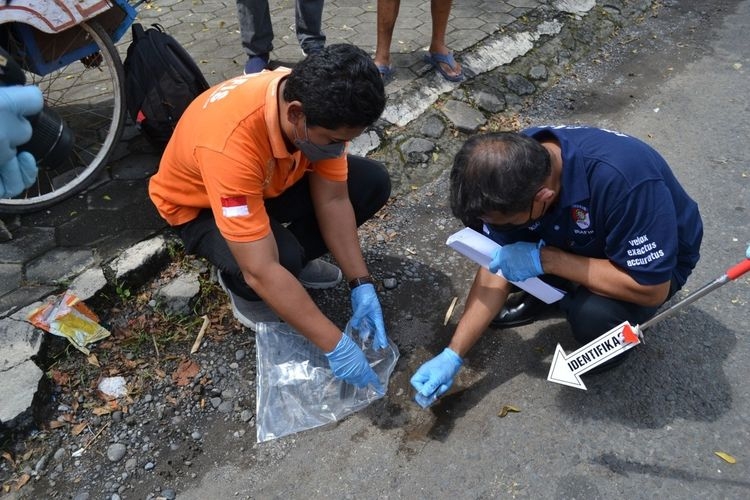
[{"x": 596, "y": 212}]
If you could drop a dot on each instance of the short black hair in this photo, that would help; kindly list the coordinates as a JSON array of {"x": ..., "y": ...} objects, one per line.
[
  {"x": 497, "y": 172},
  {"x": 339, "y": 86}
]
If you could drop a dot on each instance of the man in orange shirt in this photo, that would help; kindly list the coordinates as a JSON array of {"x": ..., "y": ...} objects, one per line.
[{"x": 256, "y": 179}]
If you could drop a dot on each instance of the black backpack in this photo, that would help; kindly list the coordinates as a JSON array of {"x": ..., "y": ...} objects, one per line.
[{"x": 161, "y": 79}]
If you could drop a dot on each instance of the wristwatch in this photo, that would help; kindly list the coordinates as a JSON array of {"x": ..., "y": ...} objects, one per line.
[{"x": 361, "y": 281}]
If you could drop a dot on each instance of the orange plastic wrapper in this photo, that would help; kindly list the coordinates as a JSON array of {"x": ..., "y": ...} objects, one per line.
[{"x": 66, "y": 316}]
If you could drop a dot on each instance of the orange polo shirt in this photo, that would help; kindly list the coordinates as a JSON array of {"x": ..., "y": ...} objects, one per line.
[{"x": 228, "y": 153}]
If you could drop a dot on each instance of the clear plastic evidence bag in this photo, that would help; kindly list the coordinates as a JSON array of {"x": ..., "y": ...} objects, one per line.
[{"x": 296, "y": 389}]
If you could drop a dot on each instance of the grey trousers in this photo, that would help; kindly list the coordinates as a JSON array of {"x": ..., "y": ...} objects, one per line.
[{"x": 256, "y": 29}]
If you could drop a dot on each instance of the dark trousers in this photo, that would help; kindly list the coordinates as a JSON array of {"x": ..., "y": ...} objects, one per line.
[
  {"x": 293, "y": 223},
  {"x": 256, "y": 29},
  {"x": 591, "y": 315}
]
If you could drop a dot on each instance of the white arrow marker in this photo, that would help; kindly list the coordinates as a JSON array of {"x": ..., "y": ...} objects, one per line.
[{"x": 567, "y": 370}]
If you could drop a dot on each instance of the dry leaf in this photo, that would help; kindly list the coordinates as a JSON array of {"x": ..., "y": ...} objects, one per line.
[
  {"x": 449, "y": 312},
  {"x": 59, "y": 377},
  {"x": 56, "y": 424},
  {"x": 507, "y": 409},
  {"x": 185, "y": 372},
  {"x": 7, "y": 456},
  {"x": 102, "y": 410},
  {"x": 79, "y": 428},
  {"x": 92, "y": 359},
  {"x": 129, "y": 363},
  {"x": 726, "y": 457},
  {"x": 22, "y": 481}
]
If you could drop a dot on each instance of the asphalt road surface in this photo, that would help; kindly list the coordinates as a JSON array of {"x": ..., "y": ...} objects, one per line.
[{"x": 645, "y": 430}]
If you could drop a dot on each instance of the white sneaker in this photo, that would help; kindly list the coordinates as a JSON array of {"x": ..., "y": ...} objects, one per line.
[
  {"x": 320, "y": 274},
  {"x": 248, "y": 312}
]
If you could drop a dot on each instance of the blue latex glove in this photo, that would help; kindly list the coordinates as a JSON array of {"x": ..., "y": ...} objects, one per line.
[
  {"x": 349, "y": 363},
  {"x": 17, "y": 170},
  {"x": 366, "y": 307},
  {"x": 435, "y": 377},
  {"x": 518, "y": 261}
]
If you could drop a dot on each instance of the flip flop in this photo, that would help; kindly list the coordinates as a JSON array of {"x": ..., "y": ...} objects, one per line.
[
  {"x": 436, "y": 60},
  {"x": 386, "y": 73}
]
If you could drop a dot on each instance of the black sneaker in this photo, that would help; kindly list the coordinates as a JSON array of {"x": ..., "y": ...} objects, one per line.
[
  {"x": 248, "y": 312},
  {"x": 320, "y": 274},
  {"x": 314, "y": 49}
]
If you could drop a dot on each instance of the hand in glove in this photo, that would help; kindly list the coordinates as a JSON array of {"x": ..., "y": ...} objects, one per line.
[
  {"x": 518, "y": 261},
  {"x": 349, "y": 363},
  {"x": 366, "y": 307},
  {"x": 17, "y": 170},
  {"x": 435, "y": 377}
]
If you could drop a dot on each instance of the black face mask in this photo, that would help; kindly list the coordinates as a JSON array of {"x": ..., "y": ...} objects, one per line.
[
  {"x": 316, "y": 152},
  {"x": 510, "y": 227}
]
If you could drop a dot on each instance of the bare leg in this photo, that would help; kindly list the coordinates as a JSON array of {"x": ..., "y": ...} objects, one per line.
[
  {"x": 387, "y": 14},
  {"x": 441, "y": 10}
]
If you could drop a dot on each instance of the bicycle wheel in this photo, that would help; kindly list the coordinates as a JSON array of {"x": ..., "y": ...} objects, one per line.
[{"x": 89, "y": 95}]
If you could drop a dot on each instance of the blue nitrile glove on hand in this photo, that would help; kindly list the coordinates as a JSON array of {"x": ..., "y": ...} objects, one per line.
[
  {"x": 518, "y": 261},
  {"x": 349, "y": 363},
  {"x": 435, "y": 377},
  {"x": 366, "y": 307},
  {"x": 17, "y": 170}
]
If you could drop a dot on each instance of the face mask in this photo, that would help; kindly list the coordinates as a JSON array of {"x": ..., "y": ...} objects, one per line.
[{"x": 314, "y": 152}]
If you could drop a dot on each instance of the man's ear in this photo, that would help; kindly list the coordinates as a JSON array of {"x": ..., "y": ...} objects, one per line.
[
  {"x": 294, "y": 112},
  {"x": 545, "y": 195}
]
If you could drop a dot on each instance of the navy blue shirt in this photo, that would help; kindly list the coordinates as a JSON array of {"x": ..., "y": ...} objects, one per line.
[{"x": 618, "y": 200}]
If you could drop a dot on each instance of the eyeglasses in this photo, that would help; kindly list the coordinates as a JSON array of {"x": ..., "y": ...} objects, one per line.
[{"x": 529, "y": 222}]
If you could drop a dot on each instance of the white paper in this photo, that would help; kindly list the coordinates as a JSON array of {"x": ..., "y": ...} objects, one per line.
[{"x": 480, "y": 249}]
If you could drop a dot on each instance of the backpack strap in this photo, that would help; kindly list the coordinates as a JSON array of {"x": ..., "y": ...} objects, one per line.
[{"x": 137, "y": 31}]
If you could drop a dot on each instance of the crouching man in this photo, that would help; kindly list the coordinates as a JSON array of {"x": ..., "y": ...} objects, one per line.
[
  {"x": 597, "y": 213},
  {"x": 257, "y": 180}
]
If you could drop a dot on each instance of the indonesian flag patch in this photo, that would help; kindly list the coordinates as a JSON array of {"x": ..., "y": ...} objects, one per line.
[{"x": 235, "y": 206}]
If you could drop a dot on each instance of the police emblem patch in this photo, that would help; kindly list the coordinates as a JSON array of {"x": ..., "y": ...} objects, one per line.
[{"x": 581, "y": 217}]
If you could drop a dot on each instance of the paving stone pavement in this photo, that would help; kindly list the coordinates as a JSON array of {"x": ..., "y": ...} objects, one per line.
[{"x": 111, "y": 233}]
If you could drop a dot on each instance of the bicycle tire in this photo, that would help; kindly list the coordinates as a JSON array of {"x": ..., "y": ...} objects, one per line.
[{"x": 92, "y": 106}]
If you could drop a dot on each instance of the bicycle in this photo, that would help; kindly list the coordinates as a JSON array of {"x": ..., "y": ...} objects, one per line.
[{"x": 67, "y": 48}]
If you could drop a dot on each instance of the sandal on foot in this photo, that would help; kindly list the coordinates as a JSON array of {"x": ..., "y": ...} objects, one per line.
[
  {"x": 386, "y": 73},
  {"x": 437, "y": 60}
]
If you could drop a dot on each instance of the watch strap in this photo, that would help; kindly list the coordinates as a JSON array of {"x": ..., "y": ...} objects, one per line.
[{"x": 361, "y": 281}]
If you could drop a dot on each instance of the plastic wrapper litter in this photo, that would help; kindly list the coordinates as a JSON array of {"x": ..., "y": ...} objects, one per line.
[
  {"x": 296, "y": 387},
  {"x": 66, "y": 316}
]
